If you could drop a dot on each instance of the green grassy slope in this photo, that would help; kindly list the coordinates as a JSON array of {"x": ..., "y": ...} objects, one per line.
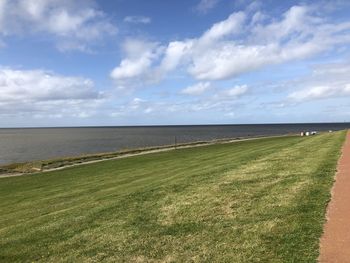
[{"x": 249, "y": 201}]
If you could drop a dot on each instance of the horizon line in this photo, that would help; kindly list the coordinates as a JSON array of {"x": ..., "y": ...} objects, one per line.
[{"x": 169, "y": 125}]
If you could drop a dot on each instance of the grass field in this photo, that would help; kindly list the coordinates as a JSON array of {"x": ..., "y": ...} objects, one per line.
[{"x": 251, "y": 201}]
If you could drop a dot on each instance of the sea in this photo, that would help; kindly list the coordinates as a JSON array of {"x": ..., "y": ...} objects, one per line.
[{"x": 30, "y": 144}]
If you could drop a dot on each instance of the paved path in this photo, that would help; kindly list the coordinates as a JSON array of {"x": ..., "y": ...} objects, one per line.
[{"x": 335, "y": 242}]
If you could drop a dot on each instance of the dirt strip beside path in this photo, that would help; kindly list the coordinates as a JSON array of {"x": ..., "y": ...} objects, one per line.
[{"x": 335, "y": 242}]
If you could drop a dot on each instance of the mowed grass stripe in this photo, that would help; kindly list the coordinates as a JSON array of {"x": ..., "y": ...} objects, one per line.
[
  {"x": 247, "y": 201},
  {"x": 141, "y": 172},
  {"x": 112, "y": 174}
]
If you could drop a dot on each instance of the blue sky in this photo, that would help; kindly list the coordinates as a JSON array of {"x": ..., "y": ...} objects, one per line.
[{"x": 156, "y": 62}]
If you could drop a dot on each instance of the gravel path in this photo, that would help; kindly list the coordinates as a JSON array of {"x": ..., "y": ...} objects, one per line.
[{"x": 335, "y": 242}]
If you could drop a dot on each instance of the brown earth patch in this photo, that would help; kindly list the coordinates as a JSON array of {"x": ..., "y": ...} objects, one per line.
[{"x": 335, "y": 242}]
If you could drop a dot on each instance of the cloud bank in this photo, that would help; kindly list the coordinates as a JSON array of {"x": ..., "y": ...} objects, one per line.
[
  {"x": 326, "y": 82},
  {"x": 244, "y": 42},
  {"x": 42, "y": 93},
  {"x": 74, "y": 24}
]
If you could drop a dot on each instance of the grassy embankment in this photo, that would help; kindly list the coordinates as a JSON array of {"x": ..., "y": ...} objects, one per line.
[
  {"x": 58, "y": 163},
  {"x": 250, "y": 201}
]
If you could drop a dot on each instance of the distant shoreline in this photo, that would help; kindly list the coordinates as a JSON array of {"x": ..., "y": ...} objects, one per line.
[{"x": 175, "y": 125}]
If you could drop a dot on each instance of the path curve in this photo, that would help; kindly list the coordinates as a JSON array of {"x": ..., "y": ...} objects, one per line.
[{"x": 335, "y": 242}]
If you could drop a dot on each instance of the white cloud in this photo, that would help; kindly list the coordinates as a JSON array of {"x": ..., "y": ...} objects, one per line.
[
  {"x": 248, "y": 41},
  {"x": 197, "y": 89},
  {"x": 320, "y": 92},
  {"x": 298, "y": 35},
  {"x": 175, "y": 53},
  {"x": 204, "y": 6},
  {"x": 296, "y": 20},
  {"x": 140, "y": 56},
  {"x": 227, "y": 60},
  {"x": 235, "y": 92},
  {"x": 137, "y": 19},
  {"x": 45, "y": 93},
  {"x": 223, "y": 101},
  {"x": 231, "y": 26},
  {"x": 130, "y": 68},
  {"x": 326, "y": 81},
  {"x": 74, "y": 24}
]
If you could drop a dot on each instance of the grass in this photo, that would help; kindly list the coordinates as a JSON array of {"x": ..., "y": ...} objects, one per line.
[
  {"x": 45, "y": 165},
  {"x": 251, "y": 201}
]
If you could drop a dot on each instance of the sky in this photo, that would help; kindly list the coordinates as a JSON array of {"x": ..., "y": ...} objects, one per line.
[{"x": 170, "y": 62}]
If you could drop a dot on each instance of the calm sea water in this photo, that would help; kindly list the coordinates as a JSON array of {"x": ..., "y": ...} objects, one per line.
[{"x": 20, "y": 145}]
